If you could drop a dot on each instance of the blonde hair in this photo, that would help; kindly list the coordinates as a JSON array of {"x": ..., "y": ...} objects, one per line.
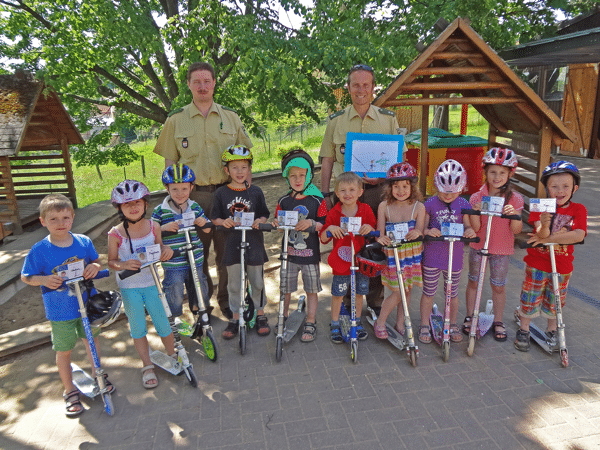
[
  {"x": 55, "y": 202},
  {"x": 415, "y": 192},
  {"x": 348, "y": 178}
]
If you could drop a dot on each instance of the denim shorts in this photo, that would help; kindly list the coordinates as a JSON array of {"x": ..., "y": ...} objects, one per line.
[
  {"x": 173, "y": 283},
  {"x": 341, "y": 285}
]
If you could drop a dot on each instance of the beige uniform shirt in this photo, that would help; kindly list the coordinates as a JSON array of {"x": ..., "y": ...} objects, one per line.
[
  {"x": 377, "y": 121},
  {"x": 190, "y": 138}
]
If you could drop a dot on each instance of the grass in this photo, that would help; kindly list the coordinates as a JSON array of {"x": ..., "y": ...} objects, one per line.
[{"x": 476, "y": 124}]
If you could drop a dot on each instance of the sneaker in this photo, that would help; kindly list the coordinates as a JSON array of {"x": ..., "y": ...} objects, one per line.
[
  {"x": 522, "y": 341},
  {"x": 552, "y": 339},
  {"x": 361, "y": 333},
  {"x": 232, "y": 329},
  {"x": 336, "y": 333}
]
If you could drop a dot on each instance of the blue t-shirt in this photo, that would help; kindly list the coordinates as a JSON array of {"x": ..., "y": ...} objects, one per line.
[{"x": 43, "y": 259}]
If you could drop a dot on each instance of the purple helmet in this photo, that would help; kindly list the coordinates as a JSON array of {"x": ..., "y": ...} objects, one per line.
[
  {"x": 450, "y": 177},
  {"x": 500, "y": 157},
  {"x": 127, "y": 191}
]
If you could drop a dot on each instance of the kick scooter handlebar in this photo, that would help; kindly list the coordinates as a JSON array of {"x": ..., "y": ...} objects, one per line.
[
  {"x": 374, "y": 233},
  {"x": 448, "y": 238},
  {"x": 473, "y": 212},
  {"x": 395, "y": 243},
  {"x": 208, "y": 224},
  {"x": 525, "y": 244},
  {"x": 128, "y": 273}
]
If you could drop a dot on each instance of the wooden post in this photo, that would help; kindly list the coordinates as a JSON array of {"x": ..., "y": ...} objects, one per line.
[
  {"x": 544, "y": 156},
  {"x": 424, "y": 147},
  {"x": 8, "y": 189},
  {"x": 68, "y": 169}
]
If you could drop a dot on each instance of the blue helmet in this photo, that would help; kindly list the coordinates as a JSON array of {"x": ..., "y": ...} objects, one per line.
[
  {"x": 561, "y": 167},
  {"x": 178, "y": 174}
]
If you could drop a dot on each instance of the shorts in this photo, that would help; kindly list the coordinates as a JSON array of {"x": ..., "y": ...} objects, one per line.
[
  {"x": 537, "y": 294},
  {"x": 498, "y": 265},
  {"x": 256, "y": 279},
  {"x": 136, "y": 301},
  {"x": 173, "y": 283},
  {"x": 66, "y": 332},
  {"x": 341, "y": 285},
  {"x": 311, "y": 278},
  {"x": 431, "y": 276}
]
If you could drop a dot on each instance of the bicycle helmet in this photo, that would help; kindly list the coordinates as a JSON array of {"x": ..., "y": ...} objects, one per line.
[
  {"x": 104, "y": 308},
  {"x": 236, "y": 153},
  {"x": 127, "y": 191},
  {"x": 500, "y": 157},
  {"x": 561, "y": 167},
  {"x": 178, "y": 174},
  {"x": 450, "y": 177},
  {"x": 298, "y": 158},
  {"x": 371, "y": 260},
  {"x": 401, "y": 171}
]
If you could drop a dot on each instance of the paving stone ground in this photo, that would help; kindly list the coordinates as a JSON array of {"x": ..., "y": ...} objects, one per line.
[{"x": 317, "y": 398}]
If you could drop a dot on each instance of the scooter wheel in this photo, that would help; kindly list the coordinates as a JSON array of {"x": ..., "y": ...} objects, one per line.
[
  {"x": 243, "y": 340},
  {"x": 210, "y": 346},
  {"x": 108, "y": 404},
  {"x": 191, "y": 376},
  {"x": 471, "y": 347},
  {"x": 278, "y": 349},
  {"x": 354, "y": 351},
  {"x": 564, "y": 357},
  {"x": 446, "y": 351},
  {"x": 413, "y": 357}
]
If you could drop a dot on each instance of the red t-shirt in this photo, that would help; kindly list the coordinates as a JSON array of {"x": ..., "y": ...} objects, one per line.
[
  {"x": 340, "y": 257},
  {"x": 573, "y": 217}
]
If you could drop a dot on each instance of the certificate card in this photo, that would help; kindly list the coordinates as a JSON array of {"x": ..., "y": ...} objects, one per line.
[
  {"x": 492, "y": 204},
  {"x": 71, "y": 270},
  {"x": 186, "y": 219},
  {"x": 542, "y": 205},
  {"x": 147, "y": 254},
  {"x": 396, "y": 231},
  {"x": 243, "y": 219},
  {"x": 287, "y": 218},
  {"x": 372, "y": 154},
  {"x": 351, "y": 224},
  {"x": 452, "y": 229}
]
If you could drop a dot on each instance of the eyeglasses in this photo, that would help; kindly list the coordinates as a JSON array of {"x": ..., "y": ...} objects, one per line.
[{"x": 361, "y": 67}]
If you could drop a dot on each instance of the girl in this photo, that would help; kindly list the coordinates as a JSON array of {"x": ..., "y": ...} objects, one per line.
[
  {"x": 139, "y": 291},
  {"x": 450, "y": 179},
  {"x": 499, "y": 165},
  {"x": 402, "y": 204}
]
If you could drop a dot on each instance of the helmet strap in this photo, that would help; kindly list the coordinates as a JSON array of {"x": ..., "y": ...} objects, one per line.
[
  {"x": 179, "y": 206},
  {"x": 126, "y": 223}
]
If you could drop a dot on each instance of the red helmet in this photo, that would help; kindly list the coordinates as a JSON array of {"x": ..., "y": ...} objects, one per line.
[
  {"x": 500, "y": 157},
  {"x": 371, "y": 260},
  {"x": 401, "y": 171}
]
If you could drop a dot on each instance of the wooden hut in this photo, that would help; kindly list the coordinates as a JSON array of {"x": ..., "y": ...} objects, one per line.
[
  {"x": 460, "y": 68},
  {"x": 35, "y": 134}
]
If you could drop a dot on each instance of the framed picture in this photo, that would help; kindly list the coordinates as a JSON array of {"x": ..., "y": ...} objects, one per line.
[{"x": 372, "y": 154}]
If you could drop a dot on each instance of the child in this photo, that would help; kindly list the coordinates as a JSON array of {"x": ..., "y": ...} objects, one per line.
[
  {"x": 303, "y": 248},
  {"x": 499, "y": 165},
  {"x": 62, "y": 247},
  {"x": 450, "y": 179},
  {"x": 568, "y": 225},
  {"x": 348, "y": 188},
  {"x": 401, "y": 205},
  {"x": 125, "y": 242},
  {"x": 239, "y": 196},
  {"x": 179, "y": 182}
]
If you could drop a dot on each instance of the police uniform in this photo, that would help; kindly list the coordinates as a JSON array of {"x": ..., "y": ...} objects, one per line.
[
  {"x": 376, "y": 121},
  {"x": 187, "y": 137}
]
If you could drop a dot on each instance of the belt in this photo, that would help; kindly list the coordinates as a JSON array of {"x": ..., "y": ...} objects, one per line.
[{"x": 209, "y": 187}]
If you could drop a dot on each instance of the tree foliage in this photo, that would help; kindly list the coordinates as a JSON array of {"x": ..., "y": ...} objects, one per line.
[{"x": 133, "y": 54}]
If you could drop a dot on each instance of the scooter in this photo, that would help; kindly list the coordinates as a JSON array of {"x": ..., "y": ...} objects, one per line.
[
  {"x": 477, "y": 331},
  {"x": 441, "y": 331},
  {"x": 81, "y": 379}
]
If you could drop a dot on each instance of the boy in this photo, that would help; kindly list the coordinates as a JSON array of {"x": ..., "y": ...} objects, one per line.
[
  {"x": 303, "y": 248},
  {"x": 179, "y": 182},
  {"x": 568, "y": 225},
  {"x": 62, "y": 308},
  {"x": 238, "y": 196},
  {"x": 348, "y": 188}
]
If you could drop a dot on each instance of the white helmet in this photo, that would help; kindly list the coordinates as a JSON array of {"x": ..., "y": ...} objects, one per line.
[{"x": 450, "y": 177}]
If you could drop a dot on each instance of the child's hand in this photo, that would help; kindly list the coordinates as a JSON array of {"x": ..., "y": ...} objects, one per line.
[
  {"x": 469, "y": 233},
  {"x": 365, "y": 229},
  {"x": 228, "y": 223},
  {"x": 200, "y": 221},
  {"x": 535, "y": 239},
  {"x": 384, "y": 240},
  {"x": 52, "y": 281},
  {"x": 546, "y": 219},
  {"x": 509, "y": 210},
  {"x": 91, "y": 270},
  {"x": 275, "y": 223},
  {"x": 131, "y": 264},
  {"x": 166, "y": 253},
  {"x": 258, "y": 221},
  {"x": 335, "y": 231},
  {"x": 433, "y": 232},
  {"x": 412, "y": 235},
  {"x": 303, "y": 224},
  {"x": 476, "y": 207},
  {"x": 172, "y": 227}
]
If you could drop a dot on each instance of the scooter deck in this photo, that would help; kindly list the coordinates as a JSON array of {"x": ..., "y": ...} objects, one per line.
[
  {"x": 84, "y": 382},
  {"x": 294, "y": 321},
  {"x": 485, "y": 320},
  {"x": 165, "y": 362},
  {"x": 436, "y": 321},
  {"x": 394, "y": 337},
  {"x": 537, "y": 335}
]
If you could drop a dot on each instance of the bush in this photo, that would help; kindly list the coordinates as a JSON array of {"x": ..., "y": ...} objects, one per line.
[{"x": 286, "y": 147}]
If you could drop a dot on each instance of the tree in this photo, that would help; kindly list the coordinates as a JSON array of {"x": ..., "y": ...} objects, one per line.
[{"x": 133, "y": 54}]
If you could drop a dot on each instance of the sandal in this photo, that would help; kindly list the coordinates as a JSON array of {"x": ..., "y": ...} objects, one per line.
[
  {"x": 361, "y": 333},
  {"x": 148, "y": 375},
  {"x": 380, "y": 331},
  {"x": 111, "y": 388},
  {"x": 499, "y": 335},
  {"x": 262, "y": 325},
  {"x": 400, "y": 332},
  {"x": 466, "y": 328},
  {"x": 336, "y": 333},
  {"x": 309, "y": 333},
  {"x": 455, "y": 335},
  {"x": 232, "y": 329},
  {"x": 425, "y": 334},
  {"x": 73, "y": 406}
]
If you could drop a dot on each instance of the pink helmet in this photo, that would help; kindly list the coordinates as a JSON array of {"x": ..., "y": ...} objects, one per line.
[
  {"x": 401, "y": 171},
  {"x": 450, "y": 177},
  {"x": 500, "y": 157},
  {"x": 127, "y": 191}
]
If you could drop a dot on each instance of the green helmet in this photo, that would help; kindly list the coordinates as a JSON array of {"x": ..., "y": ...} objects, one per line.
[{"x": 236, "y": 153}]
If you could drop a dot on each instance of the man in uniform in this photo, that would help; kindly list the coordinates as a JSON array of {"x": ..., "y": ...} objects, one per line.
[
  {"x": 359, "y": 117},
  {"x": 197, "y": 135}
]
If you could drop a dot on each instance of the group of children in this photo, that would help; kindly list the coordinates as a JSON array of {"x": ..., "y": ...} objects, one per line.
[{"x": 421, "y": 263}]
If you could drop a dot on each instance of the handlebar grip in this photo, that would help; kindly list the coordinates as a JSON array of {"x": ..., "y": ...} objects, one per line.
[
  {"x": 102, "y": 274},
  {"x": 127, "y": 274},
  {"x": 265, "y": 227}
]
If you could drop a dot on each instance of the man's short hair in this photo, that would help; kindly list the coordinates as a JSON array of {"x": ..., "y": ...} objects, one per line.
[
  {"x": 200, "y": 66},
  {"x": 55, "y": 202},
  {"x": 358, "y": 67},
  {"x": 348, "y": 178}
]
